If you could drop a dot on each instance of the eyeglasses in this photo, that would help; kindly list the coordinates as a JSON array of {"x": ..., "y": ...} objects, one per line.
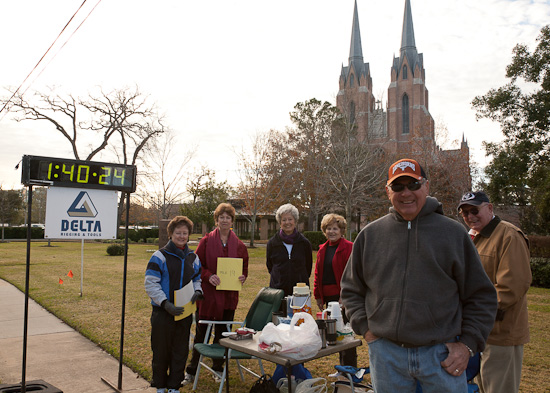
[
  {"x": 474, "y": 211},
  {"x": 398, "y": 187}
]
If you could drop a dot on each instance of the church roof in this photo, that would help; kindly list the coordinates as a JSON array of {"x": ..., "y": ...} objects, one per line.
[
  {"x": 355, "y": 50},
  {"x": 408, "y": 45}
]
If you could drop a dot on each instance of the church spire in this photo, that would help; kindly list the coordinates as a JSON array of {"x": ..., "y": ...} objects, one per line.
[
  {"x": 408, "y": 45},
  {"x": 407, "y": 37},
  {"x": 355, "y": 50}
]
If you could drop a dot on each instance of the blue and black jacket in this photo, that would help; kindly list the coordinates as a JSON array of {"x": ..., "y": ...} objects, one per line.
[{"x": 170, "y": 269}]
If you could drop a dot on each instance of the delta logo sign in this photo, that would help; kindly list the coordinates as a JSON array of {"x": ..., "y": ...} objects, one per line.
[
  {"x": 84, "y": 211},
  {"x": 81, "y": 213}
]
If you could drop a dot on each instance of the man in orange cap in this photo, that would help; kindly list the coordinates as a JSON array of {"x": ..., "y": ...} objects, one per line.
[{"x": 415, "y": 289}]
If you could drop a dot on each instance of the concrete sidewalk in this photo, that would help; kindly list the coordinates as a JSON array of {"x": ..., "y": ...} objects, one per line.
[{"x": 56, "y": 353}]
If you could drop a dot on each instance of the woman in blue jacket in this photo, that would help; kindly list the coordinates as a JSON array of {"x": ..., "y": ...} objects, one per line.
[{"x": 169, "y": 269}]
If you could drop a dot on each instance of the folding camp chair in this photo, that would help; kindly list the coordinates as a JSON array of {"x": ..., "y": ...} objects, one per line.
[{"x": 267, "y": 301}]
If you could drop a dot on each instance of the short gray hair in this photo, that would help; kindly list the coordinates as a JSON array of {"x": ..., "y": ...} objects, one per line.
[{"x": 284, "y": 209}]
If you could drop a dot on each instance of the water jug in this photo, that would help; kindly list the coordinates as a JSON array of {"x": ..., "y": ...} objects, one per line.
[{"x": 301, "y": 298}]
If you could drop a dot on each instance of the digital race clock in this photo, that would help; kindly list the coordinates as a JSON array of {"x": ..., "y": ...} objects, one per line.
[{"x": 61, "y": 172}]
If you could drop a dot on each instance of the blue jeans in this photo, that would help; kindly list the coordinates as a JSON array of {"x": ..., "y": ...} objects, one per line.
[{"x": 397, "y": 369}]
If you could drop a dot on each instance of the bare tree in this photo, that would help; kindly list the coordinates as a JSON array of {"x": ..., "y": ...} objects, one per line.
[
  {"x": 206, "y": 194},
  {"x": 124, "y": 119},
  {"x": 356, "y": 169},
  {"x": 306, "y": 153},
  {"x": 447, "y": 170},
  {"x": 11, "y": 205},
  {"x": 261, "y": 181},
  {"x": 162, "y": 181}
]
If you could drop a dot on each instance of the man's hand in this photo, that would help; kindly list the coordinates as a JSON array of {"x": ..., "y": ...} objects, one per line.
[
  {"x": 369, "y": 337},
  {"x": 172, "y": 309},
  {"x": 196, "y": 296},
  {"x": 457, "y": 361}
]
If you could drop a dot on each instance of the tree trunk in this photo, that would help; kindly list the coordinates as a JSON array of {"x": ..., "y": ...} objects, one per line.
[{"x": 252, "y": 230}]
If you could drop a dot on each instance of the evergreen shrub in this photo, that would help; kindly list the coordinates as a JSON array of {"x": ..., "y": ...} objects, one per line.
[
  {"x": 540, "y": 268},
  {"x": 115, "y": 249},
  {"x": 316, "y": 238}
]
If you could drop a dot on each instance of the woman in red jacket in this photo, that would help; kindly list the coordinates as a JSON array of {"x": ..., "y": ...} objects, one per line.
[
  {"x": 329, "y": 267},
  {"x": 217, "y": 305}
]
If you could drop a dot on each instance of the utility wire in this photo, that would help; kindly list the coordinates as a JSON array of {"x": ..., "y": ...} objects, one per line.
[
  {"x": 44, "y": 55},
  {"x": 62, "y": 46}
]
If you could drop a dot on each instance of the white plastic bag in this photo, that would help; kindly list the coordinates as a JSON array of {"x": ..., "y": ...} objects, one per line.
[
  {"x": 345, "y": 333},
  {"x": 296, "y": 342},
  {"x": 313, "y": 385}
]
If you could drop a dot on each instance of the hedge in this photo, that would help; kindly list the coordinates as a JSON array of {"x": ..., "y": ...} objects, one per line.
[
  {"x": 21, "y": 233},
  {"x": 316, "y": 238},
  {"x": 539, "y": 246},
  {"x": 540, "y": 268},
  {"x": 139, "y": 235}
]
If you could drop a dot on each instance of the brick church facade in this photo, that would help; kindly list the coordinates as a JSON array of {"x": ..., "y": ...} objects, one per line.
[{"x": 405, "y": 128}]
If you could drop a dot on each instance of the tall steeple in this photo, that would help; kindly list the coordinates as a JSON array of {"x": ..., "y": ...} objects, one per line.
[
  {"x": 355, "y": 50},
  {"x": 408, "y": 45},
  {"x": 407, "y": 36},
  {"x": 355, "y": 98}
]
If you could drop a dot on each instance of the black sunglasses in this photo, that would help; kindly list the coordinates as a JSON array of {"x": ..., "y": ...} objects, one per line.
[
  {"x": 398, "y": 187},
  {"x": 466, "y": 213}
]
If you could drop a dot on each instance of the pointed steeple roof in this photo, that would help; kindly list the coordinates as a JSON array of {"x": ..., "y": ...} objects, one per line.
[
  {"x": 408, "y": 44},
  {"x": 355, "y": 50},
  {"x": 407, "y": 36}
]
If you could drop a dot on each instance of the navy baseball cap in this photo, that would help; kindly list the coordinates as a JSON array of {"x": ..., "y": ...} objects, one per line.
[{"x": 473, "y": 198}]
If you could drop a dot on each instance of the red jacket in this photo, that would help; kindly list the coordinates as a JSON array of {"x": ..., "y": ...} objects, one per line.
[
  {"x": 208, "y": 251},
  {"x": 339, "y": 262}
]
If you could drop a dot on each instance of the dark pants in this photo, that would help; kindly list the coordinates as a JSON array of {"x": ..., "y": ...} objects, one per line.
[
  {"x": 170, "y": 345},
  {"x": 200, "y": 332},
  {"x": 349, "y": 356}
]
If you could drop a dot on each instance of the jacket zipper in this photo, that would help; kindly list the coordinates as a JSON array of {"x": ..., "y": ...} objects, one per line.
[{"x": 404, "y": 284}]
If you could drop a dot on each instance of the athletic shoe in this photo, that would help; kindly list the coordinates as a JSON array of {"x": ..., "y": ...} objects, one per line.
[
  {"x": 189, "y": 379},
  {"x": 217, "y": 378}
]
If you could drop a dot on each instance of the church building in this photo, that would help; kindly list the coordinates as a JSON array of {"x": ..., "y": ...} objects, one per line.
[{"x": 405, "y": 128}]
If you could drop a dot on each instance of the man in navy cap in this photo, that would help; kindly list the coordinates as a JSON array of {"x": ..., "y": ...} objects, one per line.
[{"x": 504, "y": 252}]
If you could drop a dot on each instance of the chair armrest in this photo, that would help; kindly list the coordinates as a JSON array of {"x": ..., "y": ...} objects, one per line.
[{"x": 206, "y": 321}]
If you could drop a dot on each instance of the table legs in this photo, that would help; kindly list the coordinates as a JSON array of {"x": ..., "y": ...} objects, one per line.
[
  {"x": 226, "y": 370},
  {"x": 289, "y": 376}
]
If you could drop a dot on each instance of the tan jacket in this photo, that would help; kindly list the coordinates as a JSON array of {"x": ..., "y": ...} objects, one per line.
[{"x": 504, "y": 252}]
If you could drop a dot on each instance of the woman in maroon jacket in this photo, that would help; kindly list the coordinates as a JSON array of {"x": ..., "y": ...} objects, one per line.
[
  {"x": 217, "y": 305},
  {"x": 329, "y": 267}
]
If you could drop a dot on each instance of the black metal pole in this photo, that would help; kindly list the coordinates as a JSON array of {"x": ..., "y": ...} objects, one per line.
[
  {"x": 124, "y": 291},
  {"x": 27, "y": 273}
]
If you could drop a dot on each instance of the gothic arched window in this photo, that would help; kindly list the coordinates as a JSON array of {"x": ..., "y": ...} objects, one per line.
[
  {"x": 351, "y": 80},
  {"x": 405, "y": 112},
  {"x": 404, "y": 72}
]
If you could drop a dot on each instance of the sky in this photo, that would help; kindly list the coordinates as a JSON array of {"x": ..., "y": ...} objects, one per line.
[{"x": 223, "y": 70}]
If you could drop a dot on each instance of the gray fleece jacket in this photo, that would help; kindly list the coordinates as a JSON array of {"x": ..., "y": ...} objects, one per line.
[{"x": 418, "y": 282}]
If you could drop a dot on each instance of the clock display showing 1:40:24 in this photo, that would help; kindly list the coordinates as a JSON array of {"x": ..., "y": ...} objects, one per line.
[{"x": 86, "y": 174}]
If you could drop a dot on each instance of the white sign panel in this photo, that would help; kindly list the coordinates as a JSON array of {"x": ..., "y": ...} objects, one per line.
[{"x": 74, "y": 213}]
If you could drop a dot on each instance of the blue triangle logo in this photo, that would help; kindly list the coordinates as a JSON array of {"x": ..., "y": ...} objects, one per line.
[{"x": 82, "y": 206}]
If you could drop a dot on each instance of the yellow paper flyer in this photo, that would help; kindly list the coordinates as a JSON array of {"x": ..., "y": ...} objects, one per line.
[
  {"x": 229, "y": 270},
  {"x": 182, "y": 298}
]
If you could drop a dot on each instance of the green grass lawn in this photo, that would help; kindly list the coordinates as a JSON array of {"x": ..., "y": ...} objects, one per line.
[{"x": 96, "y": 314}]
